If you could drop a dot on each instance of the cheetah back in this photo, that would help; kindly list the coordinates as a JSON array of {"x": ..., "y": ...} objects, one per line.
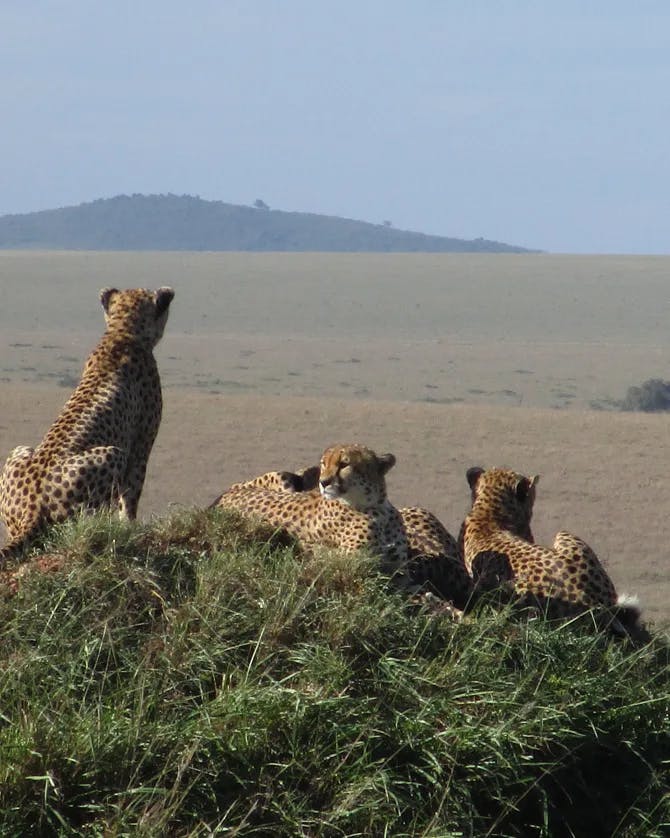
[{"x": 316, "y": 520}]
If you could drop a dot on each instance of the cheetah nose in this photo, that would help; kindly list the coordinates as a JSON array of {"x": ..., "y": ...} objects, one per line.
[{"x": 326, "y": 481}]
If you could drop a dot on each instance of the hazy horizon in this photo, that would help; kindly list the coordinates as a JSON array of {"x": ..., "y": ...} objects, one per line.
[{"x": 543, "y": 127}]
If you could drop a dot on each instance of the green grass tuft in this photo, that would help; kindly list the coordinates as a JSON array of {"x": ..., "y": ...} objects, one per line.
[{"x": 201, "y": 674}]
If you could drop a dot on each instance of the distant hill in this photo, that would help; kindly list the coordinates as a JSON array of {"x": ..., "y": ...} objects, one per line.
[{"x": 184, "y": 222}]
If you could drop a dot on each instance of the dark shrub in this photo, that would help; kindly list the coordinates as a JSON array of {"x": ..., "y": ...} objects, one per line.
[{"x": 651, "y": 396}]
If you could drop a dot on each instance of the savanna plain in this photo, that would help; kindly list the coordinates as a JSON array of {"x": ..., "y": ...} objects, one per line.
[{"x": 448, "y": 361}]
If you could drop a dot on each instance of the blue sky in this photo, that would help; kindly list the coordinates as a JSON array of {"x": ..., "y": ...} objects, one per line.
[{"x": 540, "y": 124}]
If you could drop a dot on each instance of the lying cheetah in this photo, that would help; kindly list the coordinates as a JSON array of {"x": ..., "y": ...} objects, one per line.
[
  {"x": 350, "y": 511},
  {"x": 433, "y": 557},
  {"x": 96, "y": 452},
  {"x": 566, "y": 579}
]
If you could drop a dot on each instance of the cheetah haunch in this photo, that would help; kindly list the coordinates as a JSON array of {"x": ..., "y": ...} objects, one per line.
[
  {"x": 565, "y": 580},
  {"x": 96, "y": 452}
]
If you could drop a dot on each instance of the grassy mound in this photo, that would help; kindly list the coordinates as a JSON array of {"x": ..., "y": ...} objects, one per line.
[{"x": 198, "y": 675}]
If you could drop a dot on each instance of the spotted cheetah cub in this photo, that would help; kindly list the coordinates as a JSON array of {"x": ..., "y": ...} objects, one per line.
[
  {"x": 566, "y": 579},
  {"x": 96, "y": 452},
  {"x": 349, "y": 511}
]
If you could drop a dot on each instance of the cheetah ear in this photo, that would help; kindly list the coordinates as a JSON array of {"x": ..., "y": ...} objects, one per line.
[
  {"x": 385, "y": 463},
  {"x": 534, "y": 480},
  {"x": 309, "y": 478},
  {"x": 163, "y": 297},
  {"x": 292, "y": 482},
  {"x": 472, "y": 475},
  {"x": 523, "y": 487},
  {"x": 106, "y": 295}
]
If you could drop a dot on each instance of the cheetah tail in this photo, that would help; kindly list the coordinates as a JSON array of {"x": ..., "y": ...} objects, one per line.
[
  {"x": 629, "y": 604},
  {"x": 628, "y": 615}
]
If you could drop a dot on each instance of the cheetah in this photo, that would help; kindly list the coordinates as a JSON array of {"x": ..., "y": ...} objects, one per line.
[
  {"x": 96, "y": 452},
  {"x": 433, "y": 558},
  {"x": 350, "y": 510},
  {"x": 565, "y": 580}
]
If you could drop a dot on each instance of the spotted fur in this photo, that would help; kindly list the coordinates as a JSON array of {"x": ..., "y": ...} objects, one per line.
[
  {"x": 566, "y": 579},
  {"x": 96, "y": 452},
  {"x": 304, "y": 480}
]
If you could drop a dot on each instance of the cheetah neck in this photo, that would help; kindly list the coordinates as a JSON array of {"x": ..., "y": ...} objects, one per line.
[
  {"x": 119, "y": 340},
  {"x": 379, "y": 505},
  {"x": 491, "y": 521}
]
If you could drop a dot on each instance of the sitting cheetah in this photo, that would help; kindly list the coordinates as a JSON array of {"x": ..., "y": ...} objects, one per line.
[
  {"x": 350, "y": 511},
  {"x": 96, "y": 452},
  {"x": 566, "y": 579},
  {"x": 433, "y": 556}
]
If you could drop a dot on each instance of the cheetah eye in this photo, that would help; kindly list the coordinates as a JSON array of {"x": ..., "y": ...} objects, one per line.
[{"x": 344, "y": 463}]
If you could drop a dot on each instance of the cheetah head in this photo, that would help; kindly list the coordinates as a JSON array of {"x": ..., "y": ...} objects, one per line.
[
  {"x": 504, "y": 497},
  {"x": 354, "y": 474},
  {"x": 137, "y": 312}
]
